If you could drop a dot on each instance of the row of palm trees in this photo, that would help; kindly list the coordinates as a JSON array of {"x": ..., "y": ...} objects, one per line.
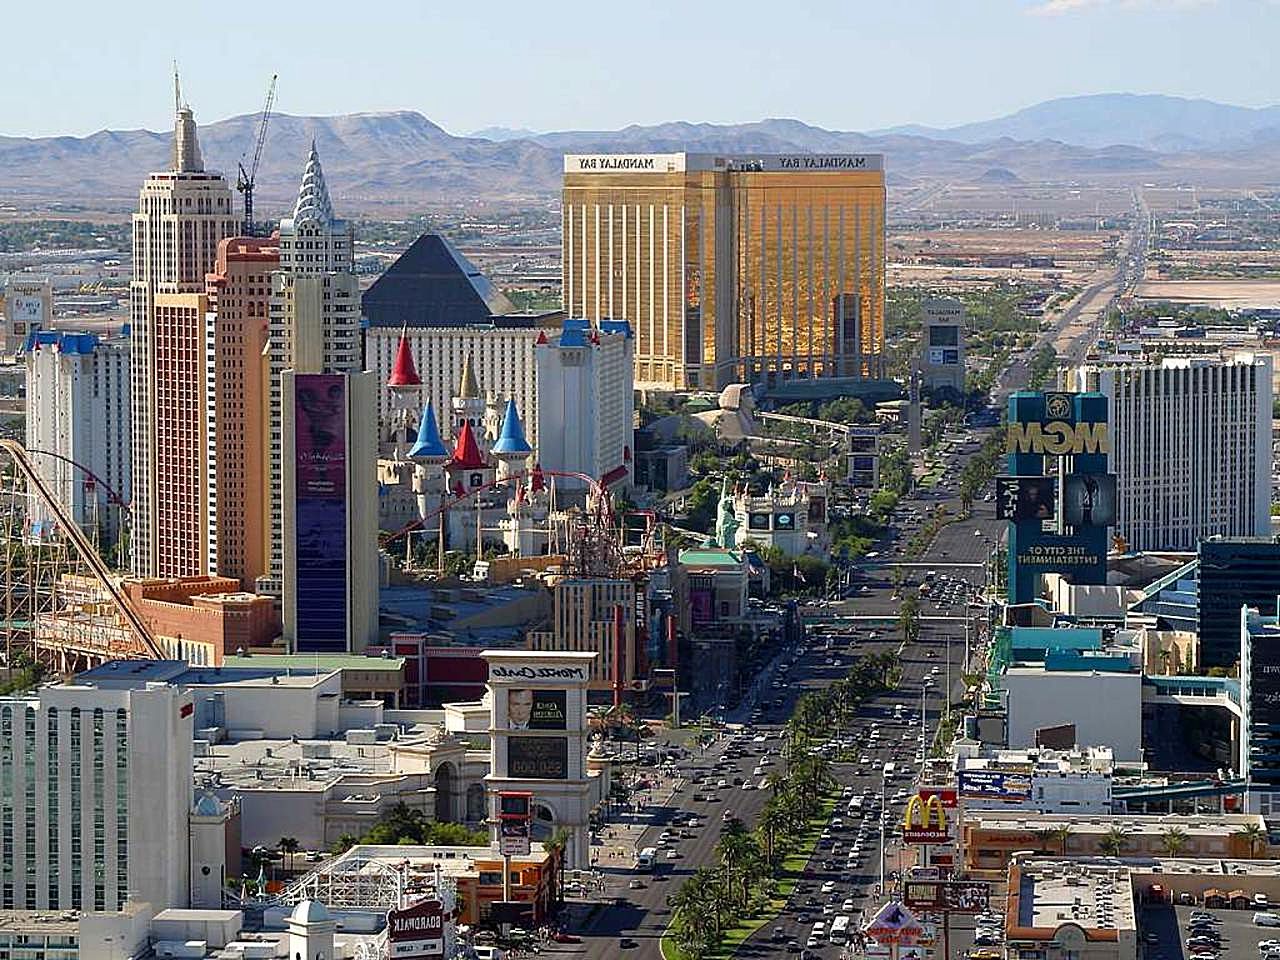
[
  {"x": 749, "y": 862},
  {"x": 1115, "y": 842}
]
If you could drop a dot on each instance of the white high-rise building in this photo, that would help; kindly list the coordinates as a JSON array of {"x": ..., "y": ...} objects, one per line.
[
  {"x": 95, "y": 791},
  {"x": 314, "y": 324},
  {"x": 28, "y": 307},
  {"x": 1190, "y": 447},
  {"x": 586, "y": 401},
  {"x": 78, "y": 414},
  {"x": 182, "y": 214}
]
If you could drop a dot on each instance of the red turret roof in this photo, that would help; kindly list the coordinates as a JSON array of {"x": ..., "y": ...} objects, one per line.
[
  {"x": 403, "y": 372},
  {"x": 466, "y": 452}
]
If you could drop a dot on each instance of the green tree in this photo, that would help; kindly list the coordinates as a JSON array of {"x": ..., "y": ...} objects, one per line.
[
  {"x": 1113, "y": 842},
  {"x": 1173, "y": 841},
  {"x": 1255, "y": 836}
]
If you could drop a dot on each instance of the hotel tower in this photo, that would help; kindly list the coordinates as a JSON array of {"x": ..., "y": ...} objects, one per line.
[
  {"x": 183, "y": 213},
  {"x": 730, "y": 268}
]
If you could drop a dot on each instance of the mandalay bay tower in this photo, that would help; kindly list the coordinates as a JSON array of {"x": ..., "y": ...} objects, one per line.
[{"x": 730, "y": 268}]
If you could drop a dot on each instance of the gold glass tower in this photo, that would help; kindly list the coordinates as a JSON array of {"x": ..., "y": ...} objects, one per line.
[{"x": 730, "y": 268}]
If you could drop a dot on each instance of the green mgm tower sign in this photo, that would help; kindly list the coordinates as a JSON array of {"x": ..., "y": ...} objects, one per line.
[{"x": 1057, "y": 496}]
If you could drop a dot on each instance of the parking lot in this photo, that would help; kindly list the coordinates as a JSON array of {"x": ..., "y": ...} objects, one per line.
[{"x": 1164, "y": 932}]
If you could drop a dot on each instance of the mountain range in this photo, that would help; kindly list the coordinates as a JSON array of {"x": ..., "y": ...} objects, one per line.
[{"x": 402, "y": 157}]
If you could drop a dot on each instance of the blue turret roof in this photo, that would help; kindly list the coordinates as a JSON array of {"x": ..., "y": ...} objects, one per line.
[
  {"x": 511, "y": 440},
  {"x": 428, "y": 443}
]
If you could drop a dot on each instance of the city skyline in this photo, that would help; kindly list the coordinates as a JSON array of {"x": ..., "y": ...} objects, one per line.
[{"x": 557, "y": 79}]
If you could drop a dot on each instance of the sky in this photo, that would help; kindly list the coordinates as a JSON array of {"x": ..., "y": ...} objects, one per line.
[{"x": 72, "y": 67}]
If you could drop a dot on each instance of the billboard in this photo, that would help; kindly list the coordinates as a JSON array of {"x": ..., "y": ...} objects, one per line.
[
  {"x": 894, "y": 923},
  {"x": 757, "y": 521},
  {"x": 538, "y": 758},
  {"x": 993, "y": 785},
  {"x": 1024, "y": 499},
  {"x": 1089, "y": 500},
  {"x": 416, "y": 931},
  {"x": 953, "y": 896},
  {"x": 320, "y": 510},
  {"x": 944, "y": 335},
  {"x": 784, "y": 521},
  {"x": 529, "y": 709},
  {"x": 946, "y": 794}
]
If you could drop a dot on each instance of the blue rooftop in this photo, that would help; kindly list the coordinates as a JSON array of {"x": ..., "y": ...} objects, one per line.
[
  {"x": 511, "y": 440},
  {"x": 69, "y": 343},
  {"x": 428, "y": 444}
]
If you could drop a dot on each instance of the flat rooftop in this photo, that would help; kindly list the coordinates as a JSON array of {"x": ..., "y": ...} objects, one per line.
[
  {"x": 305, "y": 765},
  {"x": 1215, "y": 825},
  {"x": 40, "y": 921},
  {"x": 1098, "y": 899}
]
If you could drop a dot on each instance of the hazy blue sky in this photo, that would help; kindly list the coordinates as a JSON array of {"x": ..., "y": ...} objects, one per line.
[{"x": 73, "y": 67}]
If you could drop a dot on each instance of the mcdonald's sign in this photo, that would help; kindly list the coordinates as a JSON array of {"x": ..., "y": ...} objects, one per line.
[{"x": 925, "y": 820}]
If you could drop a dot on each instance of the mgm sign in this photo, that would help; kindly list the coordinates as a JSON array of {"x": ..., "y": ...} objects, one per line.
[{"x": 1061, "y": 499}]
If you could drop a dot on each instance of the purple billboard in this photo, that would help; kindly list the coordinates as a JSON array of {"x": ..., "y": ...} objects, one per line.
[{"x": 320, "y": 509}]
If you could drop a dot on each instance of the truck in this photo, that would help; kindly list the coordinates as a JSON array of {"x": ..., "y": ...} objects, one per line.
[
  {"x": 646, "y": 859},
  {"x": 839, "y": 930}
]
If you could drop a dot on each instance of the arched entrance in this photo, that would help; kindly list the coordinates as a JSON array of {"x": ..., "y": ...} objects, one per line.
[
  {"x": 476, "y": 811},
  {"x": 544, "y": 822},
  {"x": 446, "y": 793}
]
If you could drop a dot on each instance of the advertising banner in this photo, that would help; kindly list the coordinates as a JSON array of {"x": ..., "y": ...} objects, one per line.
[
  {"x": 1089, "y": 500},
  {"x": 947, "y": 795},
  {"x": 536, "y": 709},
  {"x": 538, "y": 758},
  {"x": 416, "y": 931},
  {"x": 320, "y": 507},
  {"x": 1022, "y": 499},
  {"x": 990, "y": 785},
  {"x": 954, "y": 896}
]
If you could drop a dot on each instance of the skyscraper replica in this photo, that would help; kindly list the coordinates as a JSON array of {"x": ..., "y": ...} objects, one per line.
[
  {"x": 183, "y": 213},
  {"x": 239, "y": 527},
  {"x": 730, "y": 268},
  {"x": 322, "y": 441}
]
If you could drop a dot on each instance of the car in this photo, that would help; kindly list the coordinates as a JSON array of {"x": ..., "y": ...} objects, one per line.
[
  {"x": 726, "y": 816},
  {"x": 802, "y": 917},
  {"x": 1260, "y": 900},
  {"x": 779, "y": 934},
  {"x": 673, "y": 854},
  {"x": 814, "y": 942},
  {"x": 625, "y": 942},
  {"x": 793, "y": 946},
  {"x": 986, "y": 940},
  {"x": 830, "y": 887},
  {"x": 1266, "y": 945},
  {"x": 722, "y": 783},
  {"x": 1266, "y": 919},
  {"x": 828, "y": 909},
  {"x": 847, "y": 906},
  {"x": 1202, "y": 941},
  {"x": 1151, "y": 937}
]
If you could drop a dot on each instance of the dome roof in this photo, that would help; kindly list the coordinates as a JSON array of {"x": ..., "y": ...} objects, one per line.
[
  {"x": 310, "y": 911},
  {"x": 208, "y": 806}
]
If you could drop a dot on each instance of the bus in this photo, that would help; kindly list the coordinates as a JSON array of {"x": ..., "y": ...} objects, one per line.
[
  {"x": 839, "y": 930},
  {"x": 646, "y": 859}
]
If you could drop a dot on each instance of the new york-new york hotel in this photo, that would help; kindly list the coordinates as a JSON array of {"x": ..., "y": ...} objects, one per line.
[{"x": 730, "y": 268}]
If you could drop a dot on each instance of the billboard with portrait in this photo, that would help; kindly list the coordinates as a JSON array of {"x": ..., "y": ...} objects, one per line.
[
  {"x": 320, "y": 509},
  {"x": 538, "y": 758},
  {"x": 532, "y": 709},
  {"x": 1089, "y": 500},
  {"x": 1022, "y": 499}
]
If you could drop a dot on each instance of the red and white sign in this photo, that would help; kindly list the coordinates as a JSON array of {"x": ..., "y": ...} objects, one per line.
[
  {"x": 894, "y": 923},
  {"x": 416, "y": 931}
]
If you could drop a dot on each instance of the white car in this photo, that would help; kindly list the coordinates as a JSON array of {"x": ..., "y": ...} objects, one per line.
[
  {"x": 1266, "y": 919},
  {"x": 830, "y": 887}
]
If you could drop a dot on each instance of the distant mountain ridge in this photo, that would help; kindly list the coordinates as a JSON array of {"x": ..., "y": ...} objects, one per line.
[
  {"x": 1150, "y": 121},
  {"x": 402, "y": 157}
]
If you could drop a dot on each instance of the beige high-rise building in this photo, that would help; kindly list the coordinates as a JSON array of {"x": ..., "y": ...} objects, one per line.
[
  {"x": 183, "y": 213},
  {"x": 236, "y": 410},
  {"x": 730, "y": 267}
]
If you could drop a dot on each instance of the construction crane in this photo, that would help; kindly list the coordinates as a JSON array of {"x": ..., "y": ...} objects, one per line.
[{"x": 244, "y": 183}]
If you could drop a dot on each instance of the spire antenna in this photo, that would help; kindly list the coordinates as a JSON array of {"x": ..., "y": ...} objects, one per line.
[{"x": 177, "y": 90}]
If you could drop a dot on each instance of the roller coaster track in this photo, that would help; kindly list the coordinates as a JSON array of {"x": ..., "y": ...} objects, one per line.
[{"x": 47, "y": 607}]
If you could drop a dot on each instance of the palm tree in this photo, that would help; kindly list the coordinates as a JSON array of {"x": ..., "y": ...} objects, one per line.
[
  {"x": 1113, "y": 842},
  {"x": 288, "y": 846},
  {"x": 1255, "y": 836},
  {"x": 1044, "y": 837},
  {"x": 1173, "y": 841},
  {"x": 1062, "y": 834},
  {"x": 555, "y": 846},
  {"x": 344, "y": 843}
]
